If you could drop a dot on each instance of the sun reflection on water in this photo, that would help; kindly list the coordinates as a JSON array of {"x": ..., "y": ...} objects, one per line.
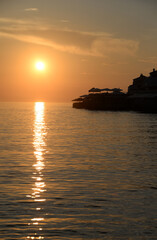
[{"x": 39, "y": 186}]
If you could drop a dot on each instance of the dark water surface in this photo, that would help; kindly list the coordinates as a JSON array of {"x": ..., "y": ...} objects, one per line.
[{"x": 77, "y": 174}]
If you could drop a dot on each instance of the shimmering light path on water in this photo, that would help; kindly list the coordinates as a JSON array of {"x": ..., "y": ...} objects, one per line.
[
  {"x": 76, "y": 174},
  {"x": 39, "y": 186}
]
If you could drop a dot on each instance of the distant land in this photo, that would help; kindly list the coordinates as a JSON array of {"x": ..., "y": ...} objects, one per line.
[{"x": 141, "y": 96}]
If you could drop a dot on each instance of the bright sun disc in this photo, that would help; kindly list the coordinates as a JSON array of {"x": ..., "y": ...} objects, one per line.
[{"x": 40, "y": 66}]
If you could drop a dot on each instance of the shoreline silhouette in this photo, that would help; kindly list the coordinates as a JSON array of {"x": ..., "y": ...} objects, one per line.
[{"x": 141, "y": 96}]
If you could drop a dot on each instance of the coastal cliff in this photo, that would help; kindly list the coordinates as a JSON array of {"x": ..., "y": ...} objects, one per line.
[
  {"x": 141, "y": 96},
  {"x": 103, "y": 102}
]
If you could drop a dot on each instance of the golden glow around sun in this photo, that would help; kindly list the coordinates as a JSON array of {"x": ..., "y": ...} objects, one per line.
[{"x": 40, "y": 66}]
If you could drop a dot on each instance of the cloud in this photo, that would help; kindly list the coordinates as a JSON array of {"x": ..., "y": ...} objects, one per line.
[
  {"x": 12, "y": 21},
  {"x": 31, "y": 9},
  {"x": 115, "y": 45},
  {"x": 64, "y": 21},
  {"x": 98, "y": 44},
  {"x": 151, "y": 60}
]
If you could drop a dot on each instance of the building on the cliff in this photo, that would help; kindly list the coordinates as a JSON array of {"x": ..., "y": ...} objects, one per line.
[
  {"x": 144, "y": 84},
  {"x": 142, "y": 94}
]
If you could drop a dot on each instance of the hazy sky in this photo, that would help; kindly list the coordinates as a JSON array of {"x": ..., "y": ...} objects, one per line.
[{"x": 83, "y": 43}]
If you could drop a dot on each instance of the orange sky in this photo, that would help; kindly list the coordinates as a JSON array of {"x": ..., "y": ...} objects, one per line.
[{"x": 83, "y": 44}]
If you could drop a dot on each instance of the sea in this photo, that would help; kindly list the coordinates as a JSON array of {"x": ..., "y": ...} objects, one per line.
[{"x": 70, "y": 173}]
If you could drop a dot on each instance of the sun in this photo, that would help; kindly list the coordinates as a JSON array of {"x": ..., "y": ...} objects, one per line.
[{"x": 40, "y": 66}]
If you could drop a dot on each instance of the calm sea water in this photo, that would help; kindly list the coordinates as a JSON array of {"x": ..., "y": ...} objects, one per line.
[{"x": 75, "y": 174}]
